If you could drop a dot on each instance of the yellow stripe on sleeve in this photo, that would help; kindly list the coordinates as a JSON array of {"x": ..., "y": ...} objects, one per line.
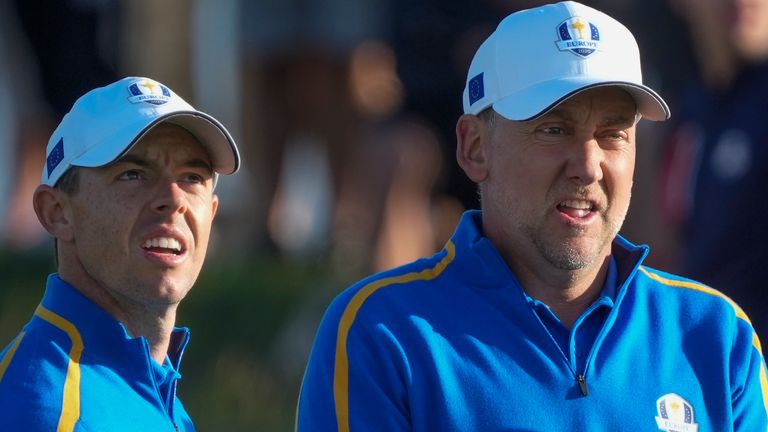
[
  {"x": 70, "y": 407},
  {"x": 341, "y": 368},
  {"x": 739, "y": 314},
  {"x": 764, "y": 385},
  {"x": 9, "y": 355},
  {"x": 705, "y": 289}
]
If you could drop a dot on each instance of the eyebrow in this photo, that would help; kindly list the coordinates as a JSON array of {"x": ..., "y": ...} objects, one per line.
[
  {"x": 199, "y": 163},
  {"x": 616, "y": 120},
  {"x": 138, "y": 160},
  {"x": 132, "y": 159},
  {"x": 619, "y": 121}
]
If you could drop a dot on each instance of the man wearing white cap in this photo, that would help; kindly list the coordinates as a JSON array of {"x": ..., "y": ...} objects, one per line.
[
  {"x": 127, "y": 193},
  {"x": 537, "y": 315}
]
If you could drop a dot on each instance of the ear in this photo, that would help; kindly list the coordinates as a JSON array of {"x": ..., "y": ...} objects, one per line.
[
  {"x": 214, "y": 206},
  {"x": 51, "y": 208},
  {"x": 472, "y": 140}
]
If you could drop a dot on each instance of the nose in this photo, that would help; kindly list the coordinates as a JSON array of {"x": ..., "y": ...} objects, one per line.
[
  {"x": 585, "y": 162},
  {"x": 169, "y": 198}
]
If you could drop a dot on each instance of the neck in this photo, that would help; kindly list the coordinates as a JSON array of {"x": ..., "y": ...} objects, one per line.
[
  {"x": 568, "y": 293},
  {"x": 154, "y": 328},
  {"x": 153, "y": 323}
]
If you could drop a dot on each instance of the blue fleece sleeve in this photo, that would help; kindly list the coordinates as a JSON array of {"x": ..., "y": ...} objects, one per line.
[
  {"x": 31, "y": 386},
  {"x": 750, "y": 383},
  {"x": 356, "y": 378}
]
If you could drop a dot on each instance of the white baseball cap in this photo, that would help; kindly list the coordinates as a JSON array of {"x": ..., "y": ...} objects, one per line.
[
  {"x": 106, "y": 122},
  {"x": 539, "y": 57}
]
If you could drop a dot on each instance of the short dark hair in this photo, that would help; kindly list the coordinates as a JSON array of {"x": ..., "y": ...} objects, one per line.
[
  {"x": 69, "y": 182},
  {"x": 488, "y": 116}
]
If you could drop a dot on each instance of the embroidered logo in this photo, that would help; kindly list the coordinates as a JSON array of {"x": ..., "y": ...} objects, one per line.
[
  {"x": 55, "y": 156},
  {"x": 578, "y": 36},
  {"x": 149, "y": 91},
  {"x": 476, "y": 88},
  {"x": 675, "y": 414}
]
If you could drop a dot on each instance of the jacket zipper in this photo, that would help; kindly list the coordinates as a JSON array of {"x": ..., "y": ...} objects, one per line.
[{"x": 582, "y": 385}]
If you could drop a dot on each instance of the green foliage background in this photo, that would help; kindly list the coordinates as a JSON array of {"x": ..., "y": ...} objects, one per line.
[{"x": 252, "y": 322}]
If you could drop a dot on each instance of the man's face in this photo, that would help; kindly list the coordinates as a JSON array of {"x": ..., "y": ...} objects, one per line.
[
  {"x": 748, "y": 20},
  {"x": 141, "y": 225},
  {"x": 558, "y": 187},
  {"x": 740, "y": 25}
]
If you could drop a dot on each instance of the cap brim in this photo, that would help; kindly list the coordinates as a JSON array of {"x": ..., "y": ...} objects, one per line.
[
  {"x": 209, "y": 132},
  {"x": 213, "y": 136},
  {"x": 538, "y": 99}
]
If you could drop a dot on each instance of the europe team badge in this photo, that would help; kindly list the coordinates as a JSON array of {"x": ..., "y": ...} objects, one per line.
[
  {"x": 675, "y": 414},
  {"x": 149, "y": 91},
  {"x": 578, "y": 36}
]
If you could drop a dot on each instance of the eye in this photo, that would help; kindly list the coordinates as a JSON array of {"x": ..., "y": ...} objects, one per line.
[
  {"x": 196, "y": 176},
  {"x": 615, "y": 136},
  {"x": 132, "y": 174},
  {"x": 553, "y": 130},
  {"x": 193, "y": 178}
]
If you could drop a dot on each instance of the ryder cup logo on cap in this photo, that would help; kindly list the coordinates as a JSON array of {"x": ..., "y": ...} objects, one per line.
[
  {"x": 150, "y": 92},
  {"x": 106, "y": 122},
  {"x": 537, "y": 58},
  {"x": 578, "y": 36}
]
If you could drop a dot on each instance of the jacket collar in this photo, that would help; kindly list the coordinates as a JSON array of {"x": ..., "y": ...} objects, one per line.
[{"x": 103, "y": 336}]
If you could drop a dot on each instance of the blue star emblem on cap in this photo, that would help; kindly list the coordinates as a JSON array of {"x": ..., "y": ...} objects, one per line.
[
  {"x": 476, "y": 89},
  {"x": 55, "y": 156}
]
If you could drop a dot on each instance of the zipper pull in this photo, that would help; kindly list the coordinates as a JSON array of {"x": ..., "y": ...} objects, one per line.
[{"x": 582, "y": 385}]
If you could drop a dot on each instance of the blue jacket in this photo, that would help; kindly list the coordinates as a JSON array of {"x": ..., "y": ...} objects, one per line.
[
  {"x": 453, "y": 343},
  {"x": 74, "y": 368}
]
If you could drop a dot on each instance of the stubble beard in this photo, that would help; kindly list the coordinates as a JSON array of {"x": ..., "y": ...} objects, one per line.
[{"x": 565, "y": 255}]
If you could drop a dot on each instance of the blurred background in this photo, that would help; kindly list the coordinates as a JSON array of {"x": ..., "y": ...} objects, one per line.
[{"x": 344, "y": 112}]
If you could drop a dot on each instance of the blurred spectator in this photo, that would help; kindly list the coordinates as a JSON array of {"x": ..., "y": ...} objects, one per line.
[
  {"x": 64, "y": 47},
  {"x": 11, "y": 105},
  {"x": 300, "y": 127},
  {"x": 407, "y": 229},
  {"x": 715, "y": 169},
  {"x": 434, "y": 41},
  {"x": 337, "y": 167}
]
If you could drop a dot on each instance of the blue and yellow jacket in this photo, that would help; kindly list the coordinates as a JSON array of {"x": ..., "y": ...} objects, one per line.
[
  {"x": 74, "y": 368},
  {"x": 453, "y": 343}
]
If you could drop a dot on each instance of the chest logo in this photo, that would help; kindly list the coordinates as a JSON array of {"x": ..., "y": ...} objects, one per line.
[{"x": 675, "y": 414}]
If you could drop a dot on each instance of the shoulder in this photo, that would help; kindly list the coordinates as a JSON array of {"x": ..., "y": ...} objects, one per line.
[
  {"x": 33, "y": 370},
  {"x": 693, "y": 292},
  {"x": 402, "y": 285},
  {"x": 385, "y": 296},
  {"x": 680, "y": 306},
  {"x": 691, "y": 300}
]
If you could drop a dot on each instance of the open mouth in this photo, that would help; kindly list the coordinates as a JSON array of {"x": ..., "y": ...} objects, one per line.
[
  {"x": 576, "y": 208},
  {"x": 163, "y": 245}
]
